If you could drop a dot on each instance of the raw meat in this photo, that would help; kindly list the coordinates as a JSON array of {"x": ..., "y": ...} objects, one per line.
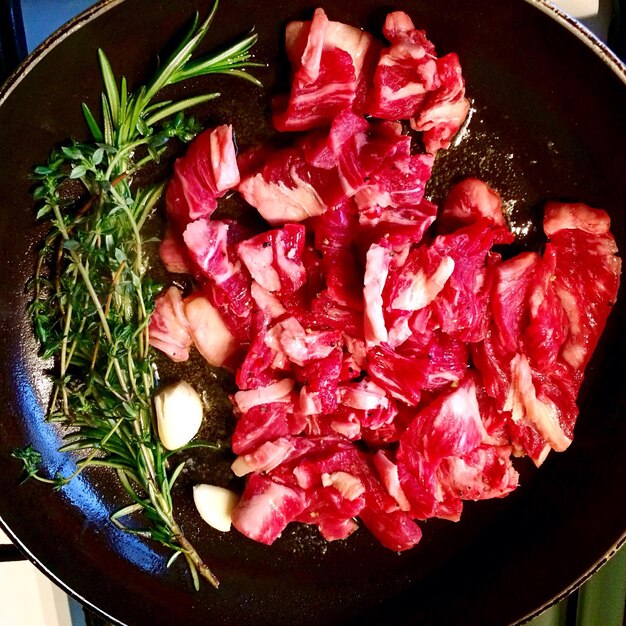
[
  {"x": 586, "y": 273},
  {"x": 209, "y": 332},
  {"x": 206, "y": 171},
  {"x": 331, "y": 63},
  {"x": 169, "y": 329},
  {"x": 390, "y": 363},
  {"x": 412, "y": 83}
]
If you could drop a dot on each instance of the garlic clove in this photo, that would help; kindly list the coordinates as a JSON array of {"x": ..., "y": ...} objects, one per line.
[
  {"x": 215, "y": 505},
  {"x": 179, "y": 414}
]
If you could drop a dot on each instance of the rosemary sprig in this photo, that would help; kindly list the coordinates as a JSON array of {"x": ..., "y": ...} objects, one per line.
[{"x": 92, "y": 295}]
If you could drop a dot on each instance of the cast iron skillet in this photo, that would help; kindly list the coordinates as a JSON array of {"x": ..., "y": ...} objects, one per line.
[{"x": 549, "y": 122}]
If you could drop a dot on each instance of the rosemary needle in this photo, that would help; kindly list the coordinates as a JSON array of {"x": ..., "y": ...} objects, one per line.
[{"x": 92, "y": 296}]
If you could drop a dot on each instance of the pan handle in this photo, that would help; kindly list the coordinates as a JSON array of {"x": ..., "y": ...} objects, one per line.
[{"x": 617, "y": 29}]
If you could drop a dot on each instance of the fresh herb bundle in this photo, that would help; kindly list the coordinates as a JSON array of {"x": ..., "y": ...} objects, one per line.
[{"x": 92, "y": 296}]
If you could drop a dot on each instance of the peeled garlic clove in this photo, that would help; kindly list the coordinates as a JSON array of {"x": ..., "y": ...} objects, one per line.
[
  {"x": 215, "y": 505},
  {"x": 179, "y": 414}
]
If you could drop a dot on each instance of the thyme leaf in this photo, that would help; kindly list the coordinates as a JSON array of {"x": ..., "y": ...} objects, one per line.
[{"x": 31, "y": 459}]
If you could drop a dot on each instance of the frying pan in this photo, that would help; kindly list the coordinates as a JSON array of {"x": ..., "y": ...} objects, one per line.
[{"x": 549, "y": 122}]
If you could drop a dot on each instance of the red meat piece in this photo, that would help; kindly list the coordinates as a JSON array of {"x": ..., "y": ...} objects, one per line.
[
  {"x": 364, "y": 151},
  {"x": 449, "y": 426},
  {"x": 207, "y": 243},
  {"x": 328, "y": 313},
  {"x": 398, "y": 226},
  {"x": 443, "y": 457},
  {"x": 445, "y": 109},
  {"x": 364, "y": 403},
  {"x": 261, "y": 366},
  {"x": 392, "y": 203},
  {"x": 513, "y": 280},
  {"x": 279, "y": 391},
  {"x": 230, "y": 285},
  {"x": 281, "y": 456},
  {"x": 261, "y": 423},
  {"x": 543, "y": 400},
  {"x": 547, "y": 327},
  {"x": 206, "y": 171},
  {"x": 392, "y": 527},
  {"x": 420, "y": 486},
  {"x": 401, "y": 376},
  {"x": 331, "y": 65},
  {"x": 493, "y": 362},
  {"x": 418, "y": 281},
  {"x": 485, "y": 472},
  {"x": 378, "y": 262},
  {"x": 447, "y": 358},
  {"x": 406, "y": 71},
  {"x": 320, "y": 171},
  {"x": 370, "y": 142},
  {"x": 527, "y": 312},
  {"x": 357, "y": 148},
  {"x": 169, "y": 328},
  {"x": 300, "y": 345},
  {"x": 274, "y": 258},
  {"x": 266, "y": 507},
  {"x": 412, "y": 83},
  {"x": 335, "y": 238},
  {"x": 462, "y": 306},
  {"x": 468, "y": 202},
  {"x": 587, "y": 273},
  {"x": 210, "y": 333},
  {"x": 285, "y": 188},
  {"x": 331, "y": 512},
  {"x": 321, "y": 376},
  {"x": 173, "y": 252}
]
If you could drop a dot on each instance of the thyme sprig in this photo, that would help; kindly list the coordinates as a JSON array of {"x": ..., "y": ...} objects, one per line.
[{"x": 92, "y": 294}]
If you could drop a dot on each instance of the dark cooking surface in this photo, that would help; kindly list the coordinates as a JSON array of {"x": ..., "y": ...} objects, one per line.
[{"x": 549, "y": 123}]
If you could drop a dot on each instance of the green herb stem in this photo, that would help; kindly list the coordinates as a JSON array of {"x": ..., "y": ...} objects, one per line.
[{"x": 93, "y": 297}]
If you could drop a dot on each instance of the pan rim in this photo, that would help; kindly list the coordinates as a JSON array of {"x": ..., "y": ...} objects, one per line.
[
  {"x": 48, "y": 44},
  {"x": 581, "y": 32}
]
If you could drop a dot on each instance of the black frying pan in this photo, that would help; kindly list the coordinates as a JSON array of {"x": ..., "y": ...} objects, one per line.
[{"x": 550, "y": 122}]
